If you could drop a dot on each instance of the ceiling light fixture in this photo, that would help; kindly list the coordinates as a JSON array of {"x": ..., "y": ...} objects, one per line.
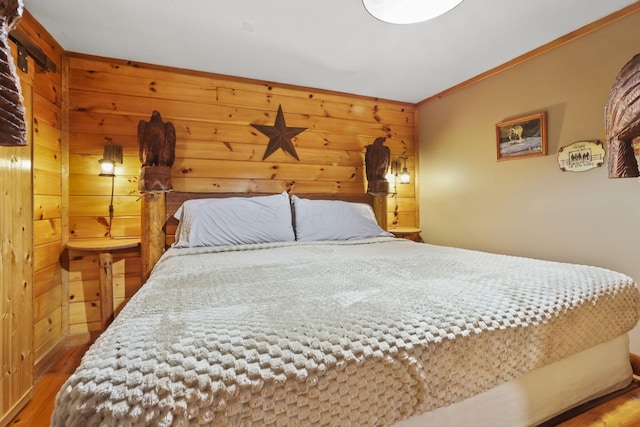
[{"x": 408, "y": 11}]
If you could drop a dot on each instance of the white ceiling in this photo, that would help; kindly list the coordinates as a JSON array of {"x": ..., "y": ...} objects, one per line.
[{"x": 325, "y": 44}]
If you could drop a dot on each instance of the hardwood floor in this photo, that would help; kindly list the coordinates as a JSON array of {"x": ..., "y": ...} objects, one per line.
[
  {"x": 619, "y": 409},
  {"x": 38, "y": 411}
]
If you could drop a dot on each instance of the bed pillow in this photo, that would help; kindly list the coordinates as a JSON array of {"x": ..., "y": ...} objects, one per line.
[
  {"x": 334, "y": 220},
  {"x": 234, "y": 221}
]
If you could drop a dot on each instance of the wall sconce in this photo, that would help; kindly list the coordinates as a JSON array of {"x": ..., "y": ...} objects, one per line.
[
  {"x": 398, "y": 171},
  {"x": 112, "y": 155}
]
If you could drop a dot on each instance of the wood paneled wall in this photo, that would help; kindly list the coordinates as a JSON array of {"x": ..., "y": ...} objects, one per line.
[
  {"x": 16, "y": 268},
  {"x": 217, "y": 149},
  {"x": 49, "y": 199},
  {"x": 32, "y": 229}
]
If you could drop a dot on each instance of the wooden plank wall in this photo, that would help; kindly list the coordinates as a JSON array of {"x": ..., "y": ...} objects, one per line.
[
  {"x": 217, "y": 149},
  {"x": 16, "y": 269},
  {"x": 50, "y": 226}
]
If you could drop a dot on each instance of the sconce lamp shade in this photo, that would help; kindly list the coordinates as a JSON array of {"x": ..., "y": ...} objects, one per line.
[
  {"x": 107, "y": 167},
  {"x": 405, "y": 177},
  {"x": 112, "y": 155},
  {"x": 408, "y": 11}
]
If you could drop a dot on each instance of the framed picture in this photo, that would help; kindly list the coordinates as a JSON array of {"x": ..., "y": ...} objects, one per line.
[{"x": 522, "y": 137}]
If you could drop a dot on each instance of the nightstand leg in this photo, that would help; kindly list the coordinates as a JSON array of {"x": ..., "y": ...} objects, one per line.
[{"x": 106, "y": 289}]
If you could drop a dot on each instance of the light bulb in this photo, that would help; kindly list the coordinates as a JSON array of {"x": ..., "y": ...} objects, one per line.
[{"x": 107, "y": 167}]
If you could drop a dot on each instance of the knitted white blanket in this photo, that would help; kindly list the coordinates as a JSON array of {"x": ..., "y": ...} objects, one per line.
[{"x": 361, "y": 333}]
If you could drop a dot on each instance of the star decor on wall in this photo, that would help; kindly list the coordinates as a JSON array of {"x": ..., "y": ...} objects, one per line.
[{"x": 279, "y": 136}]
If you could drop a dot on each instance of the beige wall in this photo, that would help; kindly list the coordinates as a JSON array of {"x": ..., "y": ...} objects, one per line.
[{"x": 530, "y": 207}]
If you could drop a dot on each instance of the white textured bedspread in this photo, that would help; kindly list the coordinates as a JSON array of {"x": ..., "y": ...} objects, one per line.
[{"x": 350, "y": 333}]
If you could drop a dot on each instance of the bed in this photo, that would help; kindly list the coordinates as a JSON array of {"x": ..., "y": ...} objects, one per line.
[{"x": 306, "y": 312}]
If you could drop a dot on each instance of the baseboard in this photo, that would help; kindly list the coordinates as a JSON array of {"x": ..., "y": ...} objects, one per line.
[
  {"x": 81, "y": 339},
  {"x": 635, "y": 363},
  {"x": 43, "y": 363},
  {"x": 69, "y": 341}
]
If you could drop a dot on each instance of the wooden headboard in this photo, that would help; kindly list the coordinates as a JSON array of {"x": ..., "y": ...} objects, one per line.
[{"x": 159, "y": 225}]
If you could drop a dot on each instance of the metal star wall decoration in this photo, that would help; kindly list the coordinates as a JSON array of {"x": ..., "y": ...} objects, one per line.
[{"x": 279, "y": 136}]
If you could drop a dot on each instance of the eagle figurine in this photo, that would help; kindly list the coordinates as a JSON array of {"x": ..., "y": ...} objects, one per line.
[
  {"x": 156, "y": 141},
  {"x": 377, "y": 159},
  {"x": 622, "y": 121}
]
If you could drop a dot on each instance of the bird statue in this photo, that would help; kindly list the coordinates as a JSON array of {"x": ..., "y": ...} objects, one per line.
[
  {"x": 377, "y": 158},
  {"x": 156, "y": 141},
  {"x": 622, "y": 121},
  {"x": 13, "y": 128}
]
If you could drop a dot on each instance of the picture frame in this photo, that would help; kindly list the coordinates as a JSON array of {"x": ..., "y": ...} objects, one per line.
[{"x": 522, "y": 137}]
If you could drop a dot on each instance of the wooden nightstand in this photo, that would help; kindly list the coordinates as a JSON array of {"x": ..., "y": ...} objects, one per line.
[
  {"x": 410, "y": 233},
  {"x": 104, "y": 246}
]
